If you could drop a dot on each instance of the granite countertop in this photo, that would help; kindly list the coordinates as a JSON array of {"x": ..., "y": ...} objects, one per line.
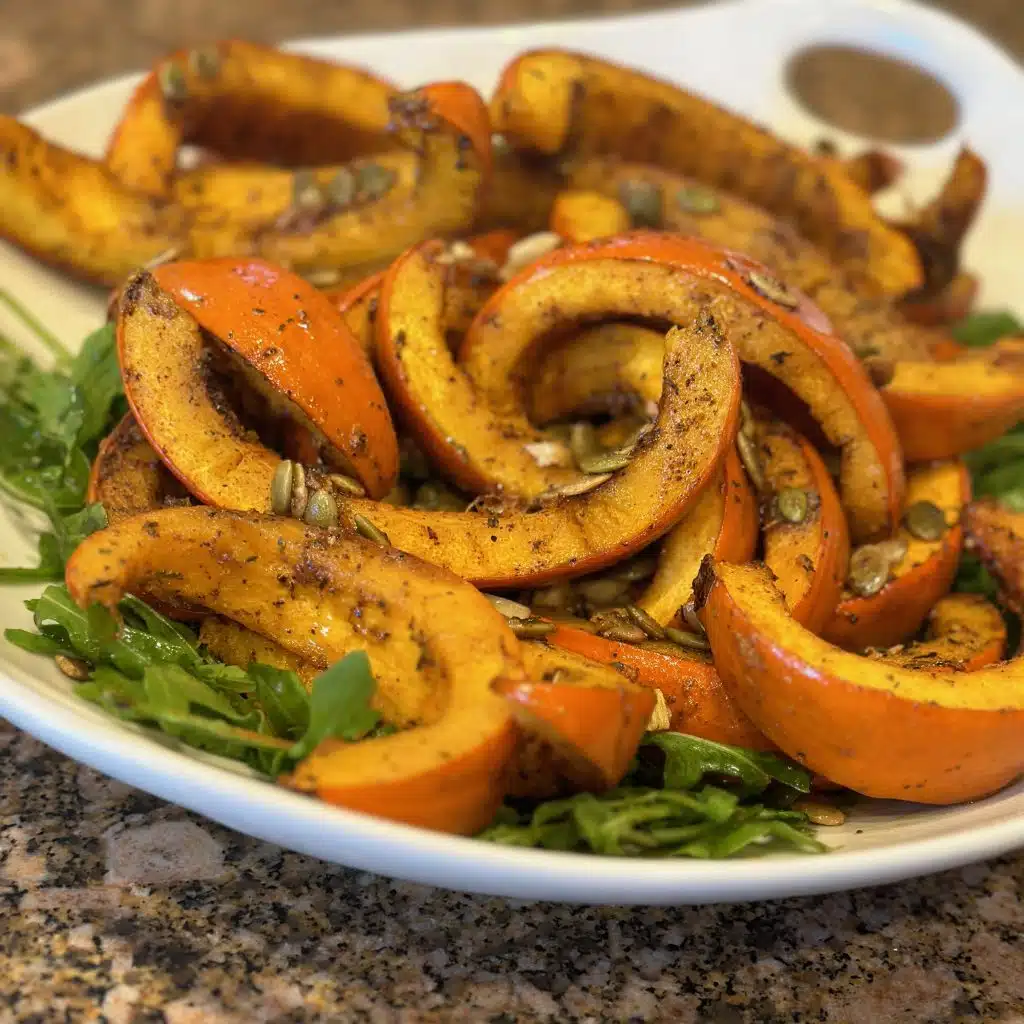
[{"x": 118, "y": 907}]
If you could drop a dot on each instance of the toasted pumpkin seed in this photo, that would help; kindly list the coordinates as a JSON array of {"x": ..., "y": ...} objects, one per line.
[
  {"x": 204, "y": 62},
  {"x": 603, "y": 592},
  {"x": 684, "y": 638},
  {"x": 650, "y": 626},
  {"x": 925, "y": 521},
  {"x": 643, "y": 202},
  {"x": 346, "y": 485},
  {"x": 772, "y": 288},
  {"x": 531, "y": 629},
  {"x": 373, "y": 181},
  {"x": 323, "y": 277},
  {"x": 306, "y": 191},
  {"x": 698, "y": 200},
  {"x": 605, "y": 462},
  {"x": 792, "y": 504},
  {"x": 582, "y": 440},
  {"x": 895, "y": 549},
  {"x": 300, "y": 492},
  {"x": 661, "y": 716},
  {"x": 819, "y": 813},
  {"x": 623, "y": 632},
  {"x": 510, "y": 609},
  {"x": 635, "y": 570},
  {"x": 341, "y": 189},
  {"x": 281, "y": 488},
  {"x": 321, "y": 509},
  {"x": 528, "y": 250},
  {"x": 751, "y": 460},
  {"x": 366, "y": 529},
  {"x": 73, "y": 668},
  {"x": 576, "y": 488},
  {"x": 748, "y": 425},
  {"x": 881, "y": 370},
  {"x": 869, "y": 570},
  {"x": 171, "y": 79}
]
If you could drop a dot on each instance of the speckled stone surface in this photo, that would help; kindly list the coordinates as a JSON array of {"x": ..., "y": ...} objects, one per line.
[{"x": 118, "y": 907}]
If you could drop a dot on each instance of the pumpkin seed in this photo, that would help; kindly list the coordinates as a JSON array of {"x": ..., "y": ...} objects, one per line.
[
  {"x": 528, "y": 250},
  {"x": 346, "y": 485},
  {"x": 624, "y": 632},
  {"x": 549, "y": 453},
  {"x": 748, "y": 425},
  {"x": 895, "y": 549},
  {"x": 281, "y": 488},
  {"x": 300, "y": 492},
  {"x": 434, "y": 496},
  {"x": 510, "y": 609},
  {"x": 341, "y": 189},
  {"x": 605, "y": 462},
  {"x": 772, "y": 288},
  {"x": 698, "y": 200},
  {"x": 373, "y": 181},
  {"x": 366, "y": 529},
  {"x": 582, "y": 441},
  {"x": 171, "y": 79},
  {"x": 880, "y": 370},
  {"x": 306, "y": 191},
  {"x": 531, "y": 629},
  {"x": 204, "y": 62},
  {"x": 792, "y": 504},
  {"x": 576, "y": 488},
  {"x": 73, "y": 668},
  {"x": 661, "y": 716},
  {"x": 925, "y": 521},
  {"x": 691, "y": 641},
  {"x": 819, "y": 813},
  {"x": 643, "y": 202},
  {"x": 603, "y": 592},
  {"x": 869, "y": 570},
  {"x": 650, "y": 626},
  {"x": 321, "y": 510},
  {"x": 323, "y": 277},
  {"x": 751, "y": 460},
  {"x": 635, "y": 570}
]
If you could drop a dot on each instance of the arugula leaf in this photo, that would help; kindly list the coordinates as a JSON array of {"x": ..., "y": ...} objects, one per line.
[
  {"x": 96, "y": 376},
  {"x": 688, "y": 759},
  {"x": 980, "y": 329},
  {"x": 283, "y": 698}
]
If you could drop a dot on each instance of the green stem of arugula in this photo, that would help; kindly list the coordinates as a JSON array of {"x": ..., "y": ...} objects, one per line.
[
  {"x": 21, "y": 496},
  {"x": 40, "y": 330}
]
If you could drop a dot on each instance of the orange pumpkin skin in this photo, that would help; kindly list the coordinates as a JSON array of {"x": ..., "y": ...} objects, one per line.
[
  {"x": 279, "y": 323},
  {"x": 878, "y": 729},
  {"x": 921, "y": 579}
]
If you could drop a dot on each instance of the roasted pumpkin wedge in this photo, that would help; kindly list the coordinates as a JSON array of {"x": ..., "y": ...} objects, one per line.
[
  {"x": 357, "y": 305},
  {"x": 522, "y": 190},
  {"x": 320, "y": 597},
  {"x": 296, "y": 349},
  {"x": 659, "y": 276},
  {"x": 477, "y": 449},
  {"x": 964, "y": 632},
  {"x": 871, "y": 324},
  {"x": 559, "y": 103},
  {"x": 72, "y": 213},
  {"x": 698, "y": 703},
  {"x": 947, "y": 306},
  {"x": 247, "y": 102},
  {"x": 996, "y": 534},
  {"x": 936, "y": 737},
  {"x": 942, "y": 409},
  {"x": 581, "y": 216},
  {"x": 362, "y": 215},
  {"x": 609, "y": 515},
  {"x": 128, "y": 477},
  {"x": 806, "y": 541},
  {"x": 723, "y": 523},
  {"x": 582, "y": 723},
  {"x": 236, "y": 645},
  {"x": 900, "y": 580}
]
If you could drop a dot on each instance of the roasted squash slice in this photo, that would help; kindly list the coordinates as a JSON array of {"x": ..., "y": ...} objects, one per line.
[
  {"x": 292, "y": 341},
  {"x": 247, "y": 102},
  {"x": 236, "y": 645},
  {"x": 522, "y": 190},
  {"x": 611, "y": 515},
  {"x": 557, "y": 102},
  {"x": 72, "y": 213},
  {"x": 360, "y": 216},
  {"x": 321, "y": 597},
  {"x": 723, "y": 523},
  {"x": 806, "y": 541},
  {"x": 996, "y": 534},
  {"x": 582, "y": 723},
  {"x": 698, "y": 703},
  {"x": 771, "y": 327},
  {"x": 942, "y": 409},
  {"x": 936, "y": 737},
  {"x": 965, "y": 632},
  {"x": 479, "y": 450},
  {"x": 917, "y": 580},
  {"x": 581, "y": 216},
  {"x": 357, "y": 305},
  {"x": 871, "y": 324},
  {"x": 127, "y": 476}
]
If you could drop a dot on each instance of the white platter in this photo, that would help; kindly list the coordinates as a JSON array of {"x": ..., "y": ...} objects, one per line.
[{"x": 734, "y": 52}]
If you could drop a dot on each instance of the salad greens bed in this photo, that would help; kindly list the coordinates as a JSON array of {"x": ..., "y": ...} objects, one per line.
[{"x": 684, "y": 796}]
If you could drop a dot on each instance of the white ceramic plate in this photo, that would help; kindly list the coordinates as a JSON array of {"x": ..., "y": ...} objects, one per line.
[{"x": 735, "y": 53}]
